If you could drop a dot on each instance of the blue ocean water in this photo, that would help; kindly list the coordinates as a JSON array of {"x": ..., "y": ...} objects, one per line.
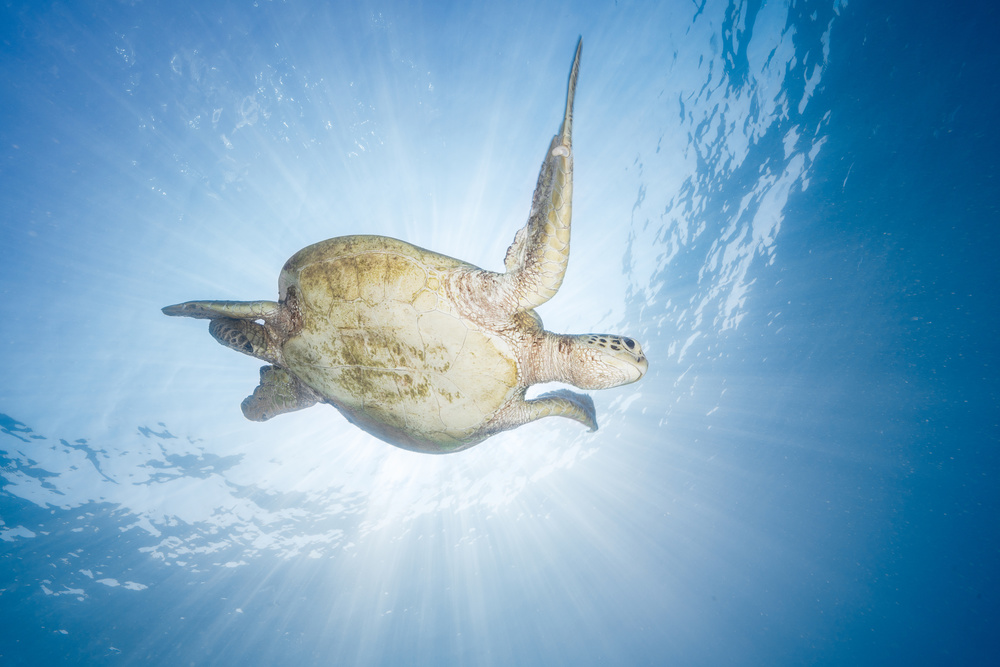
[{"x": 792, "y": 206}]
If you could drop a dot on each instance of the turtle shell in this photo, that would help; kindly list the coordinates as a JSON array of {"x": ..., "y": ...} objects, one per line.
[{"x": 380, "y": 338}]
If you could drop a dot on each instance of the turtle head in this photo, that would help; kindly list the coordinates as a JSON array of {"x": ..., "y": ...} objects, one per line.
[{"x": 601, "y": 361}]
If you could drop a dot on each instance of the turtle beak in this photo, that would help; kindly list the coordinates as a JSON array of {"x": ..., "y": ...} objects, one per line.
[
  {"x": 639, "y": 369},
  {"x": 635, "y": 365}
]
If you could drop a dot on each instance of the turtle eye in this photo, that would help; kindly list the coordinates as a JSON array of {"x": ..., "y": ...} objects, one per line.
[{"x": 629, "y": 343}]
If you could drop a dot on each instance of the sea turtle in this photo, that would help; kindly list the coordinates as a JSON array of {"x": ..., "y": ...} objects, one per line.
[{"x": 427, "y": 352}]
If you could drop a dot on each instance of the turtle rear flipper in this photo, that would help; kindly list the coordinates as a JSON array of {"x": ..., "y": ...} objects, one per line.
[
  {"x": 236, "y": 324},
  {"x": 278, "y": 392},
  {"x": 246, "y": 336},
  {"x": 237, "y": 310}
]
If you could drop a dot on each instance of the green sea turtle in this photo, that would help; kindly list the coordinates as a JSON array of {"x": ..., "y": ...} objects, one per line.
[{"x": 427, "y": 352}]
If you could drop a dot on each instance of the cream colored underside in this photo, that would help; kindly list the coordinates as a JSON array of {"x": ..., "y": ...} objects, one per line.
[{"x": 381, "y": 340}]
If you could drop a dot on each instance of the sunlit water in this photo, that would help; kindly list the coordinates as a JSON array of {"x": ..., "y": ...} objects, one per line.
[{"x": 792, "y": 208}]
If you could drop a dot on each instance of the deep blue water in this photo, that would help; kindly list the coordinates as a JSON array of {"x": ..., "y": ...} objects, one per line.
[{"x": 793, "y": 208}]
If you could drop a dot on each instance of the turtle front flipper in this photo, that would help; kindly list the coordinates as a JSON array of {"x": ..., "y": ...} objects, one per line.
[
  {"x": 564, "y": 403},
  {"x": 536, "y": 261},
  {"x": 278, "y": 392},
  {"x": 560, "y": 403}
]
